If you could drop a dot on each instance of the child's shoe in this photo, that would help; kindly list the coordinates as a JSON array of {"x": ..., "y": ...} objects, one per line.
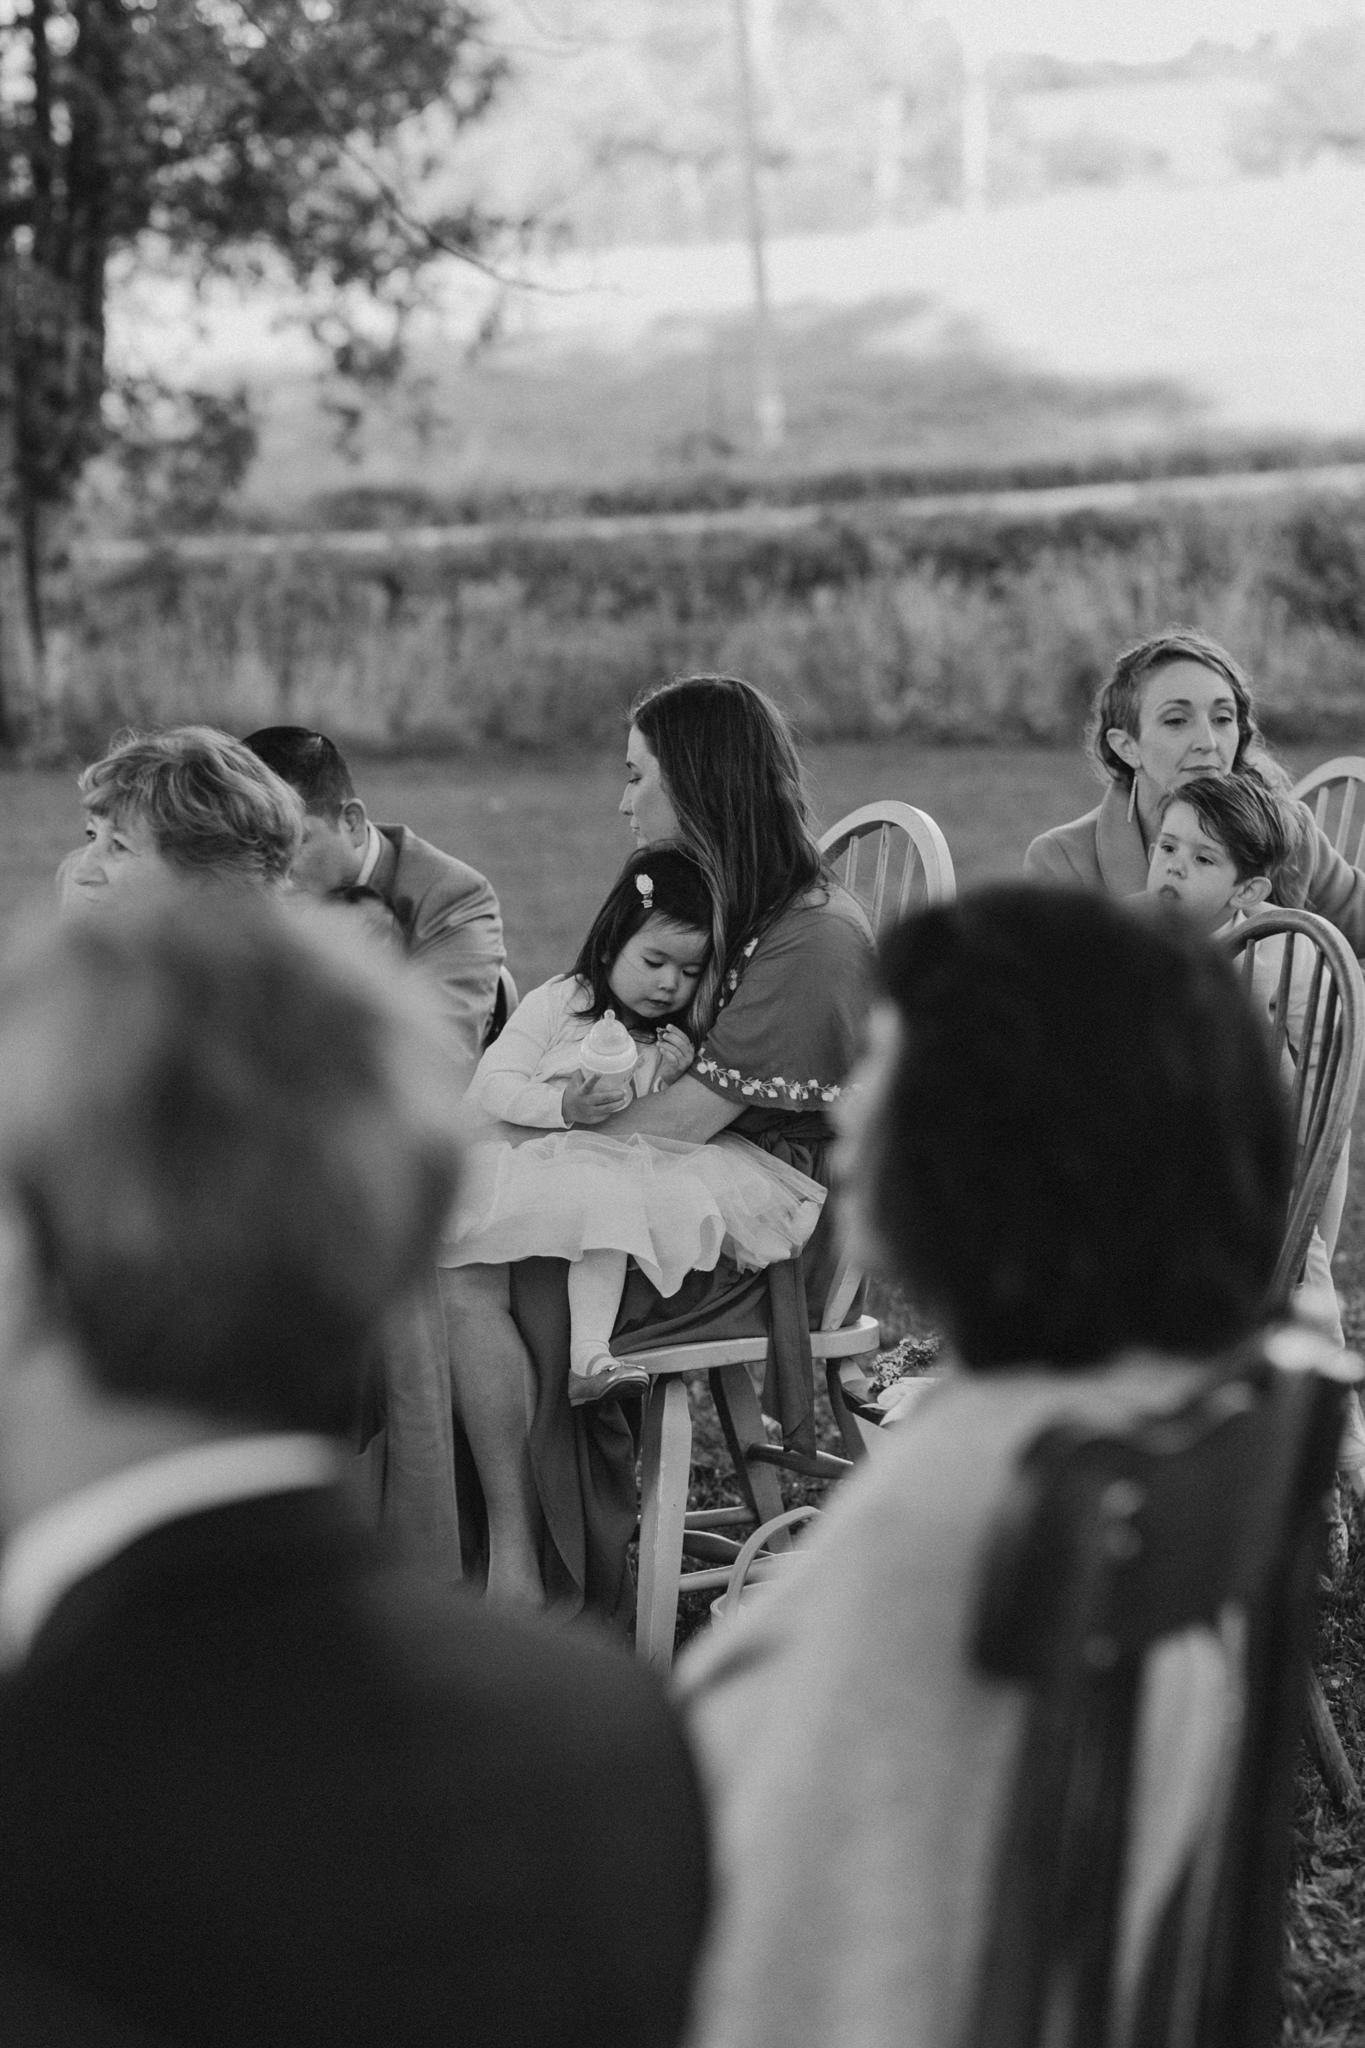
[{"x": 615, "y": 1377}]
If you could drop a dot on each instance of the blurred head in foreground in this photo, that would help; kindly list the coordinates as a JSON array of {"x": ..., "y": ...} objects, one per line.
[
  {"x": 1069, "y": 1136},
  {"x": 188, "y": 804},
  {"x": 222, "y": 1159}
]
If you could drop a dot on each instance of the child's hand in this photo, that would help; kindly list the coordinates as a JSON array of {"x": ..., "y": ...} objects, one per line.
[
  {"x": 592, "y": 1098},
  {"x": 676, "y": 1054}
]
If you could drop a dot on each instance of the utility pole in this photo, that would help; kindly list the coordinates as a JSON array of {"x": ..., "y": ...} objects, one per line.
[
  {"x": 976, "y": 43},
  {"x": 769, "y": 411}
]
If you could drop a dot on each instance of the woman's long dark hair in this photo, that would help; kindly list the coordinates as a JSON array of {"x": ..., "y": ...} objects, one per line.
[
  {"x": 733, "y": 776},
  {"x": 677, "y": 891}
]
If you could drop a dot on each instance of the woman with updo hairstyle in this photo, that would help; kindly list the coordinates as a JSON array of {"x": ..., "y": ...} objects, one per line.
[
  {"x": 1179, "y": 705},
  {"x": 189, "y": 805},
  {"x": 710, "y": 766}
]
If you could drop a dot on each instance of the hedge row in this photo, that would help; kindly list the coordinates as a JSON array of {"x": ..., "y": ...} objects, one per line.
[
  {"x": 369, "y": 506},
  {"x": 954, "y": 628}
]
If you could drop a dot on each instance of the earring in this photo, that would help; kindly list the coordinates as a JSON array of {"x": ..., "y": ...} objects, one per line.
[{"x": 1132, "y": 797}]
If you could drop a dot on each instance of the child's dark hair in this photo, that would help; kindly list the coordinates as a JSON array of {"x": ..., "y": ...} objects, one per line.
[
  {"x": 658, "y": 881},
  {"x": 1244, "y": 815}
]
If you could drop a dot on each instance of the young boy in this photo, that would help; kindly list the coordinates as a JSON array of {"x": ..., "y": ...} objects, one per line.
[{"x": 1222, "y": 838}]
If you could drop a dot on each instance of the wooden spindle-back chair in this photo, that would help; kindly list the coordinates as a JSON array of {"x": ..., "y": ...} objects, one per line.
[
  {"x": 891, "y": 858},
  {"x": 1110, "y": 1546},
  {"x": 1335, "y": 794}
]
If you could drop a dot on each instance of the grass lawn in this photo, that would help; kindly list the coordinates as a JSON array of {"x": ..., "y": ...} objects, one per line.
[
  {"x": 544, "y": 828},
  {"x": 545, "y": 832}
]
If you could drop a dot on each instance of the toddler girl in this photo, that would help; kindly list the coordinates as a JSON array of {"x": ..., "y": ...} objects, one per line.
[{"x": 541, "y": 1181}]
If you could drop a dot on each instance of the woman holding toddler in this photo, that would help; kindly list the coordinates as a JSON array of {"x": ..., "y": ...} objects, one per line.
[
  {"x": 1179, "y": 705},
  {"x": 1177, "y": 712},
  {"x": 775, "y": 1021}
]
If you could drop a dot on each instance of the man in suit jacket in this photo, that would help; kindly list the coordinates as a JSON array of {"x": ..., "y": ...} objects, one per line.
[
  {"x": 445, "y": 917},
  {"x": 446, "y": 914},
  {"x": 257, "y": 1785}
]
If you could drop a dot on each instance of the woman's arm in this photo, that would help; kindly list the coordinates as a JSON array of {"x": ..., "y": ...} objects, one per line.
[{"x": 685, "y": 1110}]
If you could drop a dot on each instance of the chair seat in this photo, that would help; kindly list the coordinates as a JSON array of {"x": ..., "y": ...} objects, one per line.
[{"x": 849, "y": 1342}]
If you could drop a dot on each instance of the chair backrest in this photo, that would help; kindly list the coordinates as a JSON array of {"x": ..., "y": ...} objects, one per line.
[
  {"x": 1301, "y": 967},
  {"x": 1335, "y": 794},
  {"x": 1108, "y": 1545},
  {"x": 505, "y": 1000},
  {"x": 892, "y": 858}
]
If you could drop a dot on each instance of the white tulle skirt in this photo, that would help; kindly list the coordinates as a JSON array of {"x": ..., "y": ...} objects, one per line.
[{"x": 673, "y": 1207}]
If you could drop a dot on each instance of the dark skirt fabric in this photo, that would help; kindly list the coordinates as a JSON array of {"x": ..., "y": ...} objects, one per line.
[
  {"x": 584, "y": 1459},
  {"x": 406, "y": 1437}
]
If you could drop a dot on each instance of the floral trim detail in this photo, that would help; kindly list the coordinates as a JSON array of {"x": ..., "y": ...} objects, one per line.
[{"x": 778, "y": 1089}]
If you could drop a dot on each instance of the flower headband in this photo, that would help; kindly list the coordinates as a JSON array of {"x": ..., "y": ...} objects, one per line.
[{"x": 645, "y": 885}]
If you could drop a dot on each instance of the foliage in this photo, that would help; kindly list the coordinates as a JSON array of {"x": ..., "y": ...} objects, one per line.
[
  {"x": 222, "y": 132},
  {"x": 217, "y": 130},
  {"x": 909, "y": 1358},
  {"x": 181, "y": 454},
  {"x": 1316, "y": 105},
  {"x": 625, "y": 120},
  {"x": 862, "y": 622},
  {"x": 359, "y": 507},
  {"x": 624, "y": 125}
]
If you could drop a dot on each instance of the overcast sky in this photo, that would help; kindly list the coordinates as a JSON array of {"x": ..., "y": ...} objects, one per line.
[{"x": 1133, "y": 32}]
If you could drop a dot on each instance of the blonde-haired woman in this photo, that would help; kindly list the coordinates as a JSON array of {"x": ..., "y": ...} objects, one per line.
[
  {"x": 193, "y": 808},
  {"x": 190, "y": 805}
]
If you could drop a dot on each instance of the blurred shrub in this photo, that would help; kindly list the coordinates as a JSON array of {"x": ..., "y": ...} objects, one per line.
[
  {"x": 385, "y": 507},
  {"x": 1087, "y": 156},
  {"x": 1315, "y": 105},
  {"x": 954, "y": 629}
]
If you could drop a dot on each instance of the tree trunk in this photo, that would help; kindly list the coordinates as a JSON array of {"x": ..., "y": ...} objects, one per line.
[{"x": 21, "y": 650}]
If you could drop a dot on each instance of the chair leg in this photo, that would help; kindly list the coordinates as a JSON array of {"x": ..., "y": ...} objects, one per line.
[
  {"x": 741, "y": 1421},
  {"x": 665, "y": 1469},
  {"x": 850, "y": 1429}
]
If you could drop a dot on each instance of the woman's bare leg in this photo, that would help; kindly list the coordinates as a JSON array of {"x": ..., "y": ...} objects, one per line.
[{"x": 493, "y": 1386}]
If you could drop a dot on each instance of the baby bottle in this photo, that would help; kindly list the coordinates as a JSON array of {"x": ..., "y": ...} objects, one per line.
[{"x": 608, "y": 1048}]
